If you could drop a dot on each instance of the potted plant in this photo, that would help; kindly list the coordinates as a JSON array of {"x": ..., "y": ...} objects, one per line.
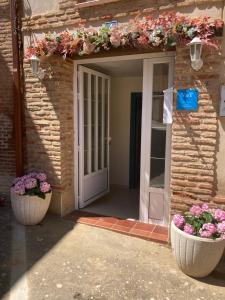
[
  {"x": 198, "y": 239},
  {"x": 30, "y": 198}
]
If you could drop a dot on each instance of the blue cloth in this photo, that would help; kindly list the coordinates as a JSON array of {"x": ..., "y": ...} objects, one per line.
[{"x": 187, "y": 99}]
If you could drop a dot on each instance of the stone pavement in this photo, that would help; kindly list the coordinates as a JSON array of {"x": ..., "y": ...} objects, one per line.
[{"x": 61, "y": 260}]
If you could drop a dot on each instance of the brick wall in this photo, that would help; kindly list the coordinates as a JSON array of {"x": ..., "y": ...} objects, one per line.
[
  {"x": 7, "y": 145},
  {"x": 49, "y": 107},
  {"x": 195, "y": 134},
  {"x": 49, "y": 128}
]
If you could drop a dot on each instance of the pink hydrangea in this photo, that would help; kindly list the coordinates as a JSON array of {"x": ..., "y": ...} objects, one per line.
[
  {"x": 205, "y": 233},
  {"x": 17, "y": 179},
  {"x": 221, "y": 227},
  {"x": 205, "y": 207},
  {"x": 19, "y": 188},
  {"x": 178, "y": 221},
  {"x": 45, "y": 187},
  {"x": 33, "y": 174},
  {"x": 30, "y": 183},
  {"x": 209, "y": 227},
  {"x": 24, "y": 178},
  {"x": 207, "y": 230},
  {"x": 196, "y": 210},
  {"x": 219, "y": 215},
  {"x": 188, "y": 229},
  {"x": 115, "y": 39},
  {"x": 41, "y": 176}
]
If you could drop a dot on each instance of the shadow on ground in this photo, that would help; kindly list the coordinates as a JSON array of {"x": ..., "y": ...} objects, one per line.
[
  {"x": 22, "y": 247},
  {"x": 65, "y": 260}
]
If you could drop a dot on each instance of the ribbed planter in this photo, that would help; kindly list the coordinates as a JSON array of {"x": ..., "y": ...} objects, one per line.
[
  {"x": 195, "y": 256},
  {"x": 30, "y": 210}
]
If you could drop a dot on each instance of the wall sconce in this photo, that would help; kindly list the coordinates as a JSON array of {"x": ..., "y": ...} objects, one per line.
[
  {"x": 196, "y": 53},
  {"x": 36, "y": 70}
]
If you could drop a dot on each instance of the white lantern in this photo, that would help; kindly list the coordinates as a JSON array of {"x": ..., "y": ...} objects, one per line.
[
  {"x": 34, "y": 63},
  {"x": 196, "y": 53}
]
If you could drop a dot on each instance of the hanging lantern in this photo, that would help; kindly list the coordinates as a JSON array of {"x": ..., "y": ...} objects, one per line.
[
  {"x": 196, "y": 53},
  {"x": 34, "y": 63}
]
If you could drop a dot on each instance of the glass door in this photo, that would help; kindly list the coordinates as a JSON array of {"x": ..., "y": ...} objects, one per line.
[
  {"x": 155, "y": 161},
  {"x": 93, "y": 155}
]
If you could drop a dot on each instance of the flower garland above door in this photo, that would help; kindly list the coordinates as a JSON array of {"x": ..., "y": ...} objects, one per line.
[{"x": 165, "y": 32}]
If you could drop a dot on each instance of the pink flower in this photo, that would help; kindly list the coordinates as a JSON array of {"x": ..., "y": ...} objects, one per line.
[
  {"x": 45, "y": 187},
  {"x": 209, "y": 227},
  {"x": 219, "y": 215},
  {"x": 205, "y": 207},
  {"x": 205, "y": 233},
  {"x": 19, "y": 188},
  {"x": 188, "y": 229},
  {"x": 17, "y": 179},
  {"x": 196, "y": 210},
  {"x": 178, "y": 221},
  {"x": 33, "y": 174},
  {"x": 115, "y": 39},
  {"x": 24, "y": 178},
  {"x": 30, "y": 183},
  {"x": 207, "y": 230},
  {"x": 41, "y": 176},
  {"x": 88, "y": 48},
  {"x": 221, "y": 227}
]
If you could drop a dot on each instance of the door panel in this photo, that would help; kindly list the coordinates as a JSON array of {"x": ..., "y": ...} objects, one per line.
[
  {"x": 93, "y": 153},
  {"x": 155, "y": 160}
]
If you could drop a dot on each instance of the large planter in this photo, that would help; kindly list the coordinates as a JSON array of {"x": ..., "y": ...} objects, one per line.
[
  {"x": 195, "y": 256},
  {"x": 30, "y": 210}
]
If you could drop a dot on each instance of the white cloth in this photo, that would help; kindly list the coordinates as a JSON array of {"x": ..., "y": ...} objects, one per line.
[{"x": 168, "y": 106}]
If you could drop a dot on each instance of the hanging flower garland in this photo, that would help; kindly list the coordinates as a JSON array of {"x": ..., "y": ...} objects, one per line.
[{"x": 168, "y": 30}]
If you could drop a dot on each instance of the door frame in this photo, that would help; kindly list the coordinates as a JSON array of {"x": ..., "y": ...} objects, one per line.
[
  {"x": 146, "y": 143},
  {"x": 91, "y": 175},
  {"x": 157, "y": 56}
]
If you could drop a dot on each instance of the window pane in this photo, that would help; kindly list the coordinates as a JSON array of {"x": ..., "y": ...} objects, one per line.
[
  {"x": 158, "y": 130},
  {"x": 106, "y": 125},
  {"x": 85, "y": 93},
  {"x": 93, "y": 108},
  {"x": 99, "y": 123}
]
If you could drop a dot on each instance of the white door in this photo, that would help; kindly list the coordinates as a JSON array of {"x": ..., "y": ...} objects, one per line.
[
  {"x": 93, "y": 135},
  {"x": 156, "y": 142}
]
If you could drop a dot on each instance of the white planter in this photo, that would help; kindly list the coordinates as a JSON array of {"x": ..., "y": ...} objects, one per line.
[
  {"x": 30, "y": 210},
  {"x": 195, "y": 256}
]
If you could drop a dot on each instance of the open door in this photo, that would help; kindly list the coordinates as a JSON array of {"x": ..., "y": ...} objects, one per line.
[
  {"x": 156, "y": 142},
  {"x": 93, "y": 135}
]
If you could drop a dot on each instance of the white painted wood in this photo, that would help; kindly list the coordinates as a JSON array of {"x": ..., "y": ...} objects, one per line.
[
  {"x": 103, "y": 123},
  {"x": 76, "y": 133},
  {"x": 95, "y": 182},
  {"x": 150, "y": 196},
  {"x": 89, "y": 124},
  {"x": 96, "y": 123},
  {"x": 144, "y": 199},
  {"x": 125, "y": 57}
]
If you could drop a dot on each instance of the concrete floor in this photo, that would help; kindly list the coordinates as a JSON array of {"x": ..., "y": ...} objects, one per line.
[
  {"x": 121, "y": 202},
  {"x": 58, "y": 260}
]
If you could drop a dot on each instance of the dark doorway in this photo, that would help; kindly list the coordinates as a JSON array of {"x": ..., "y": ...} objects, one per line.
[{"x": 135, "y": 140}]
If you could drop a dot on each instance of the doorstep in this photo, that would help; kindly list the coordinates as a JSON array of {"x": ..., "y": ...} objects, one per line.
[{"x": 144, "y": 231}]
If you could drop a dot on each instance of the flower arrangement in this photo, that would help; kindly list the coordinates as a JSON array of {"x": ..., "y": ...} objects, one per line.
[
  {"x": 202, "y": 222},
  {"x": 168, "y": 30},
  {"x": 33, "y": 184}
]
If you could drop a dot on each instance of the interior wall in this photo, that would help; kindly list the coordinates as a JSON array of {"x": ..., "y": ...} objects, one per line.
[{"x": 121, "y": 89}]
